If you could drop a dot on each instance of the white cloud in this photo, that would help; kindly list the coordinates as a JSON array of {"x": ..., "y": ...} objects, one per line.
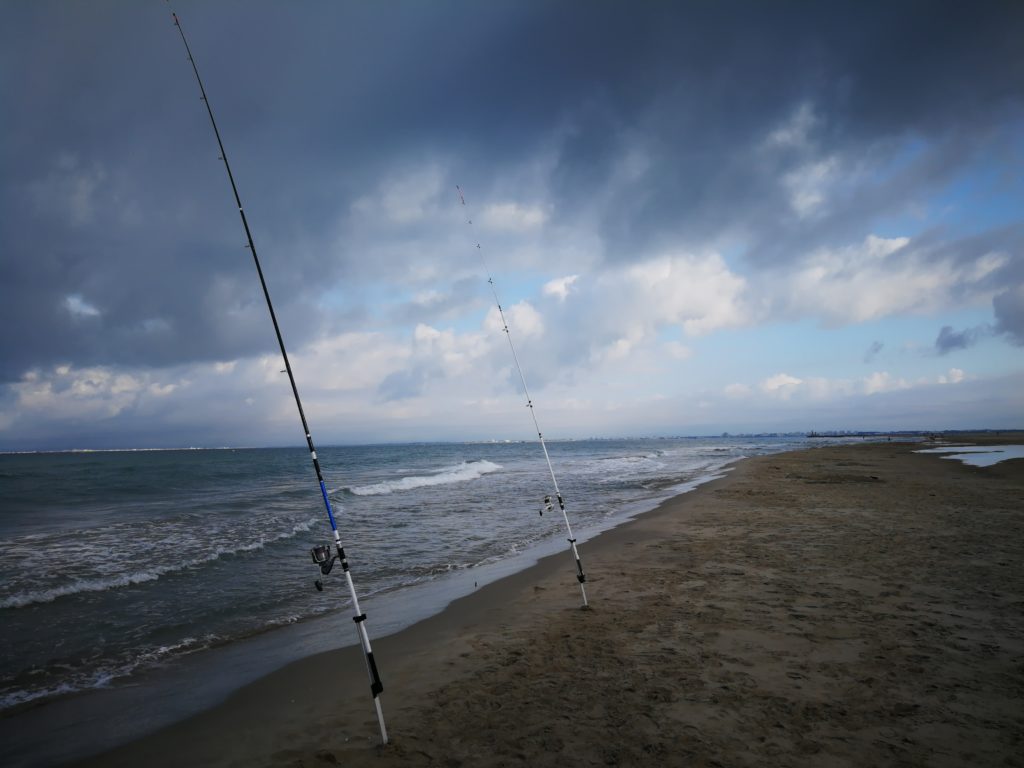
[
  {"x": 94, "y": 392},
  {"x": 784, "y": 386},
  {"x": 559, "y": 287},
  {"x": 821, "y": 388},
  {"x": 953, "y": 376},
  {"x": 697, "y": 292},
  {"x": 883, "y": 381},
  {"x": 986, "y": 265},
  {"x": 876, "y": 278},
  {"x": 737, "y": 391},
  {"x": 523, "y": 320},
  {"x": 457, "y": 353},
  {"x": 349, "y": 361},
  {"x": 162, "y": 390},
  {"x": 79, "y": 307},
  {"x": 794, "y": 131},
  {"x": 616, "y": 351},
  {"x": 781, "y": 385},
  {"x": 512, "y": 216},
  {"x": 677, "y": 351},
  {"x": 809, "y": 184}
]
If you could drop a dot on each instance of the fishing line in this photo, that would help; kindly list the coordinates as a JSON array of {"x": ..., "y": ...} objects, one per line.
[
  {"x": 321, "y": 554},
  {"x": 547, "y": 505}
]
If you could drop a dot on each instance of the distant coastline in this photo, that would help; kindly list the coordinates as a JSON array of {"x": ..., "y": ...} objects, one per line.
[{"x": 934, "y": 434}]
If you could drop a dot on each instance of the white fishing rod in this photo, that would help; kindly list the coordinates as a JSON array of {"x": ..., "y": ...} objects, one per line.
[
  {"x": 547, "y": 506},
  {"x": 322, "y": 554}
]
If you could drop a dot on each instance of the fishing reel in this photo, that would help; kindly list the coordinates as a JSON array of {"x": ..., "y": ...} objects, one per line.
[
  {"x": 549, "y": 505},
  {"x": 322, "y": 557}
]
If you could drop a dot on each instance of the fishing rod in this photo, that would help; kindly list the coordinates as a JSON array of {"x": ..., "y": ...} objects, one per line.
[
  {"x": 547, "y": 504},
  {"x": 321, "y": 554}
]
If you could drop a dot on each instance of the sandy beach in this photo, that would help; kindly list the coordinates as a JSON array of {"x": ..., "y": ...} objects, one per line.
[{"x": 841, "y": 606}]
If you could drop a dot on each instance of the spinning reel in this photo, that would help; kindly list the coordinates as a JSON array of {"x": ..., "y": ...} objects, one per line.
[
  {"x": 549, "y": 505},
  {"x": 322, "y": 556}
]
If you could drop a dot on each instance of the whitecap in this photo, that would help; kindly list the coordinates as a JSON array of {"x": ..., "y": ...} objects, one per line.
[
  {"x": 79, "y": 586},
  {"x": 457, "y": 473}
]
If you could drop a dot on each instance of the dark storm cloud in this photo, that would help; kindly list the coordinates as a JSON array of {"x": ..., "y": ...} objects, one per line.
[
  {"x": 950, "y": 340},
  {"x": 1009, "y": 312},
  {"x": 112, "y": 195}
]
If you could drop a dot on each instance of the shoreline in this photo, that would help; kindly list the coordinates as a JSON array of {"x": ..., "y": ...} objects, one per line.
[
  {"x": 446, "y": 628},
  {"x": 296, "y": 678},
  {"x": 96, "y": 721},
  {"x": 293, "y": 714}
]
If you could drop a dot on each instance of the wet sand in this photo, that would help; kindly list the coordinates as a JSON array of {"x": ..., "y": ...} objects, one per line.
[{"x": 842, "y": 606}]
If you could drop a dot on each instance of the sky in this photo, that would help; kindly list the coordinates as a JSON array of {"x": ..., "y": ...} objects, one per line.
[{"x": 700, "y": 217}]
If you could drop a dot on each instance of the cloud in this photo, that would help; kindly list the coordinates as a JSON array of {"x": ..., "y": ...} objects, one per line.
[
  {"x": 873, "y": 350},
  {"x": 949, "y": 340},
  {"x": 837, "y": 164},
  {"x": 79, "y": 307},
  {"x": 523, "y": 320},
  {"x": 512, "y": 216},
  {"x": 697, "y": 292},
  {"x": 69, "y": 189},
  {"x": 677, "y": 351},
  {"x": 808, "y": 185},
  {"x": 737, "y": 391},
  {"x": 559, "y": 287},
  {"x": 83, "y": 394},
  {"x": 883, "y": 381},
  {"x": 403, "y": 384},
  {"x": 781, "y": 385},
  {"x": 794, "y": 132},
  {"x": 785, "y": 387},
  {"x": 880, "y": 277},
  {"x": 953, "y": 376},
  {"x": 405, "y": 199},
  {"x": 1009, "y": 312}
]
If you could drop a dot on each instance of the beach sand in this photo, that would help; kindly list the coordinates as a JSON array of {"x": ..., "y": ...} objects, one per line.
[{"x": 857, "y": 605}]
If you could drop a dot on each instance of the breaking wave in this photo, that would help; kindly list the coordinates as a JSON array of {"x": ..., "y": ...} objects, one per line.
[
  {"x": 457, "y": 473},
  {"x": 22, "y": 599}
]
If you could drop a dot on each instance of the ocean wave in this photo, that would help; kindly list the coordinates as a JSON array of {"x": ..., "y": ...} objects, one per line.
[
  {"x": 17, "y": 698},
  {"x": 457, "y": 473},
  {"x": 633, "y": 457},
  {"x": 102, "y": 584},
  {"x": 103, "y": 676}
]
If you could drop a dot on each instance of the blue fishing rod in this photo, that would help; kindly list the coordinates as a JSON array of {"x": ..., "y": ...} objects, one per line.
[{"x": 321, "y": 554}]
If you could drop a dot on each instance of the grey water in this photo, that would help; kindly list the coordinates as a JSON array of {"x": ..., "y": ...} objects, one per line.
[{"x": 125, "y": 571}]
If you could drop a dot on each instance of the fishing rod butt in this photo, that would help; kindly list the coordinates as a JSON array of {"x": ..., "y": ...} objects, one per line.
[
  {"x": 376, "y": 686},
  {"x": 380, "y": 722}
]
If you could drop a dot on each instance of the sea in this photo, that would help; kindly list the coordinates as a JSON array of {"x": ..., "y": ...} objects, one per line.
[{"x": 126, "y": 577}]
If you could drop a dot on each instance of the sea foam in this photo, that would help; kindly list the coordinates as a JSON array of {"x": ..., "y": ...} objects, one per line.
[
  {"x": 78, "y": 586},
  {"x": 457, "y": 473}
]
